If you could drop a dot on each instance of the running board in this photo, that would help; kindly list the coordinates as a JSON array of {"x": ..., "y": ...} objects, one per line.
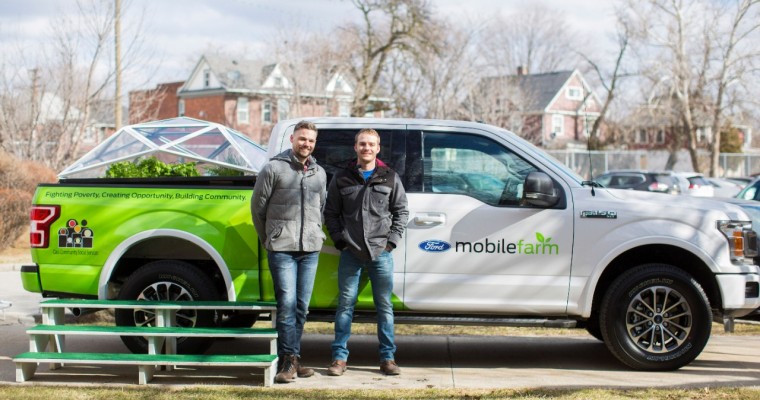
[{"x": 471, "y": 320}]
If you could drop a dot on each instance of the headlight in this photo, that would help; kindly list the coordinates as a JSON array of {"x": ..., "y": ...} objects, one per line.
[{"x": 742, "y": 240}]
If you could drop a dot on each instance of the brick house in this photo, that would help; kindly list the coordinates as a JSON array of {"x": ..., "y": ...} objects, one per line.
[
  {"x": 654, "y": 126},
  {"x": 552, "y": 110},
  {"x": 248, "y": 96}
]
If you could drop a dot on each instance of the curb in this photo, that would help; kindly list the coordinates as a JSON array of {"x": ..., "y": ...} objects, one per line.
[
  {"x": 14, "y": 318},
  {"x": 11, "y": 267}
]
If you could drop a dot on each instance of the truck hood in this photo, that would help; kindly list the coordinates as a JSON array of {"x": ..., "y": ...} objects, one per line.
[{"x": 670, "y": 202}]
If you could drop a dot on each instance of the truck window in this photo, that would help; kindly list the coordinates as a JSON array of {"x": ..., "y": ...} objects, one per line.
[
  {"x": 335, "y": 149},
  {"x": 474, "y": 166}
]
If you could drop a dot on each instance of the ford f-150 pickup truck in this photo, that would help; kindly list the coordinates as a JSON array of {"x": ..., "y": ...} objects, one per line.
[{"x": 499, "y": 233}]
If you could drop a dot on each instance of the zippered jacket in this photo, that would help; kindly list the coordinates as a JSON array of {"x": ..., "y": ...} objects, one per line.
[
  {"x": 364, "y": 217},
  {"x": 287, "y": 204}
]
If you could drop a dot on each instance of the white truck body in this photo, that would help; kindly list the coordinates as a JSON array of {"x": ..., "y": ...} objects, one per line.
[{"x": 468, "y": 251}]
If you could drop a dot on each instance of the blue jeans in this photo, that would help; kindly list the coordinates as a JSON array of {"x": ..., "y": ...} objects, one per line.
[
  {"x": 380, "y": 273},
  {"x": 293, "y": 277}
]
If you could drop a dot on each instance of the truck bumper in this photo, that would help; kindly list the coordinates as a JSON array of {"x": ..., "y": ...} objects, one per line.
[
  {"x": 30, "y": 278},
  {"x": 741, "y": 293}
]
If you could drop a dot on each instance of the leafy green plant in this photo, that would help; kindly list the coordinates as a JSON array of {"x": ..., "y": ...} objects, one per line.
[
  {"x": 223, "y": 171},
  {"x": 150, "y": 168},
  {"x": 226, "y": 171}
]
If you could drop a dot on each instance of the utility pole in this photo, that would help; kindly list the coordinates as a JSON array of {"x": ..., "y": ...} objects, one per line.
[{"x": 117, "y": 53}]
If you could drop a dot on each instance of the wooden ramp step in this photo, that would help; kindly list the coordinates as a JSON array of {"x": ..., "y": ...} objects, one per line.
[
  {"x": 26, "y": 363},
  {"x": 151, "y": 331}
]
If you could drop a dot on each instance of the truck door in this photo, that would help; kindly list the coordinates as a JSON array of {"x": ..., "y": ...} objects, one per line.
[{"x": 471, "y": 245}]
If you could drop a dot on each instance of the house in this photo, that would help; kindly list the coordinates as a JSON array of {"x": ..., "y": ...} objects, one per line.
[
  {"x": 249, "y": 96},
  {"x": 656, "y": 124},
  {"x": 154, "y": 104},
  {"x": 552, "y": 110}
]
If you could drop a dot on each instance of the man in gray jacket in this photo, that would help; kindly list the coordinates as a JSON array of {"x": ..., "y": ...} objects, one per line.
[
  {"x": 287, "y": 204},
  {"x": 366, "y": 215}
]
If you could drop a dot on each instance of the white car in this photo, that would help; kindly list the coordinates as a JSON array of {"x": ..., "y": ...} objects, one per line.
[
  {"x": 725, "y": 187},
  {"x": 696, "y": 184}
]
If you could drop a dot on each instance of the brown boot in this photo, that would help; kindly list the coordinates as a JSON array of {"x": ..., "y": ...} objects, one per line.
[
  {"x": 303, "y": 372},
  {"x": 287, "y": 371},
  {"x": 337, "y": 368},
  {"x": 389, "y": 367}
]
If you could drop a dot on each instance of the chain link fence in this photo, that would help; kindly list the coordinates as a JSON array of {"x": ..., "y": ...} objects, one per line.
[{"x": 588, "y": 163}]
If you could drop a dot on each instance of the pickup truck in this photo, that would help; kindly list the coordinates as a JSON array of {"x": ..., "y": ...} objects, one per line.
[{"x": 500, "y": 233}]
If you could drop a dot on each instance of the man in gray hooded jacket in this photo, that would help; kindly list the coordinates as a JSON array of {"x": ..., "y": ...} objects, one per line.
[{"x": 287, "y": 204}]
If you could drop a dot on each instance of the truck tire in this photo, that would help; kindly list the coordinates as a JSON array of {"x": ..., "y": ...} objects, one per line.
[
  {"x": 167, "y": 280},
  {"x": 655, "y": 317}
]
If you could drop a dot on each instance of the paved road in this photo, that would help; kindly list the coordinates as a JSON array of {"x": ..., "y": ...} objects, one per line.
[{"x": 426, "y": 361}]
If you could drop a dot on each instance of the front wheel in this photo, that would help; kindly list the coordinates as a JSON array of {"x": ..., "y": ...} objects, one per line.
[
  {"x": 655, "y": 317},
  {"x": 167, "y": 281}
]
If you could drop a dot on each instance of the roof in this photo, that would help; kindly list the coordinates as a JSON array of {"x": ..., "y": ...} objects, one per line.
[
  {"x": 541, "y": 88},
  {"x": 544, "y": 87},
  {"x": 244, "y": 75},
  {"x": 239, "y": 73}
]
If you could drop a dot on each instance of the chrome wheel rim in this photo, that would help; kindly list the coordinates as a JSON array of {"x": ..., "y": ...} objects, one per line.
[
  {"x": 658, "y": 319},
  {"x": 165, "y": 291}
]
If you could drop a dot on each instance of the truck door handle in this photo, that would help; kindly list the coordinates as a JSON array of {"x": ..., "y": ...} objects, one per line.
[{"x": 430, "y": 219}]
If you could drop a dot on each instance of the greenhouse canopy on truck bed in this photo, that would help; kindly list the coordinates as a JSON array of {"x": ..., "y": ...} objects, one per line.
[{"x": 212, "y": 146}]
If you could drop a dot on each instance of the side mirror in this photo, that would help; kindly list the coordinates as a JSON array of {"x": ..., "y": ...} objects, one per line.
[{"x": 539, "y": 190}]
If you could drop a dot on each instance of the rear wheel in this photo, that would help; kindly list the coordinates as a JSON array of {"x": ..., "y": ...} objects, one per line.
[
  {"x": 655, "y": 317},
  {"x": 167, "y": 281}
]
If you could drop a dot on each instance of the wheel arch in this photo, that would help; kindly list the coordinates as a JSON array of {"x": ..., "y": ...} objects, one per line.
[
  {"x": 161, "y": 244},
  {"x": 662, "y": 254}
]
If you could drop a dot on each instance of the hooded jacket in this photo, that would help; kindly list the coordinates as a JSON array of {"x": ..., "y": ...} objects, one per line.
[
  {"x": 364, "y": 216},
  {"x": 287, "y": 204}
]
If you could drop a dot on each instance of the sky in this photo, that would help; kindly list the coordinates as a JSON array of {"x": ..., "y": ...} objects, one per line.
[{"x": 180, "y": 31}]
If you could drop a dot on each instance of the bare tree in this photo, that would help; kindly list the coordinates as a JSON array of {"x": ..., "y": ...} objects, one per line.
[
  {"x": 434, "y": 82},
  {"x": 536, "y": 38},
  {"x": 308, "y": 61},
  {"x": 693, "y": 50},
  {"x": 387, "y": 26},
  {"x": 609, "y": 80},
  {"x": 734, "y": 62},
  {"x": 71, "y": 72}
]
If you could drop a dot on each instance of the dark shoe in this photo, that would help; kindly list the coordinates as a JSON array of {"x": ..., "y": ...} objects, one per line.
[
  {"x": 389, "y": 367},
  {"x": 303, "y": 372},
  {"x": 337, "y": 368},
  {"x": 287, "y": 371}
]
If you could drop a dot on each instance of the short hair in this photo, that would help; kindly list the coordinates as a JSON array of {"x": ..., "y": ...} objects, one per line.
[
  {"x": 367, "y": 131},
  {"x": 305, "y": 125}
]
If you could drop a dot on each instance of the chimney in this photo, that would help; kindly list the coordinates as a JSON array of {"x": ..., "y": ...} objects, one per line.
[{"x": 521, "y": 70}]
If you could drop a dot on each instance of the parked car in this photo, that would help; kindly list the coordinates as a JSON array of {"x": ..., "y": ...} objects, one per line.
[
  {"x": 697, "y": 184},
  {"x": 650, "y": 181},
  {"x": 725, "y": 187},
  {"x": 751, "y": 191},
  {"x": 740, "y": 180}
]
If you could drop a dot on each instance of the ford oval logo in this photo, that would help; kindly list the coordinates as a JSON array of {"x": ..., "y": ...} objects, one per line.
[{"x": 435, "y": 246}]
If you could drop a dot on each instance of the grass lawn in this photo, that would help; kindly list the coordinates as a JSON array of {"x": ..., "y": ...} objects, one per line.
[{"x": 226, "y": 393}]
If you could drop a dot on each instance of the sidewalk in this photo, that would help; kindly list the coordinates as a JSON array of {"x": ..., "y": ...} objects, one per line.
[{"x": 23, "y": 305}]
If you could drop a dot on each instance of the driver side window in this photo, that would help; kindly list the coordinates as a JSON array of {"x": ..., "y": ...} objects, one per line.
[{"x": 473, "y": 166}]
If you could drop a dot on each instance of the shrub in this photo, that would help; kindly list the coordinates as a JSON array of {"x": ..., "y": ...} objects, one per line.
[
  {"x": 18, "y": 180},
  {"x": 14, "y": 207},
  {"x": 150, "y": 168},
  {"x": 23, "y": 175}
]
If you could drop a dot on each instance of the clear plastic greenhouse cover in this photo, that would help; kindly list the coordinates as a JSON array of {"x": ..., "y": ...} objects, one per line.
[{"x": 176, "y": 140}]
